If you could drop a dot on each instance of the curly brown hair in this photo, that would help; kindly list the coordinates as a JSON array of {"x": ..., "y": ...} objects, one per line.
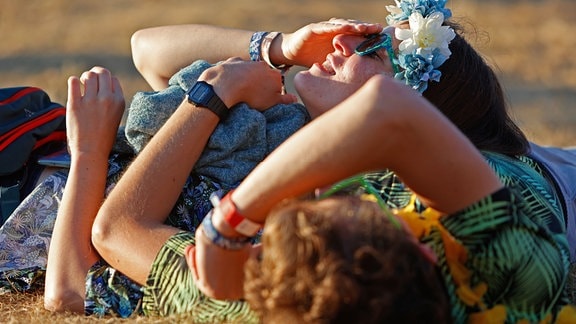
[{"x": 341, "y": 260}]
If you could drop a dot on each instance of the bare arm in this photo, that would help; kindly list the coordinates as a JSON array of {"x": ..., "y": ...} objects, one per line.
[
  {"x": 384, "y": 125},
  {"x": 129, "y": 229},
  {"x": 159, "y": 52},
  {"x": 91, "y": 128}
]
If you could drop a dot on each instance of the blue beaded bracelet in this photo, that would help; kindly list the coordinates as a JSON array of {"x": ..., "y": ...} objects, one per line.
[
  {"x": 256, "y": 45},
  {"x": 218, "y": 239}
]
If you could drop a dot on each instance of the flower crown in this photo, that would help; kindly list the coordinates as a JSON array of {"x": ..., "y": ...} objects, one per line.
[{"x": 424, "y": 46}]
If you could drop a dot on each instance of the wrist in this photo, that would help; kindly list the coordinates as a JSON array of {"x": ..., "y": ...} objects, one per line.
[
  {"x": 229, "y": 221},
  {"x": 271, "y": 51},
  {"x": 204, "y": 94},
  {"x": 89, "y": 156},
  {"x": 222, "y": 226},
  {"x": 216, "y": 237}
]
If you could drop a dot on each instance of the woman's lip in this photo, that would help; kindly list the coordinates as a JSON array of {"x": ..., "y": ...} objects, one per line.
[
  {"x": 323, "y": 69},
  {"x": 319, "y": 67},
  {"x": 329, "y": 61}
]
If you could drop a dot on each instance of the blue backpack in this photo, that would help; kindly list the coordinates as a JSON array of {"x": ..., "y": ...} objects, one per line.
[{"x": 30, "y": 125}]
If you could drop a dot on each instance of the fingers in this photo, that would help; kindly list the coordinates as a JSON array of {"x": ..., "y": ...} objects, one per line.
[
  {"x": 354, "y": 25},
  {"x": 288, "y": 98},
  {"x": 90, "y": 83},
  {"x": 104, "y": 79},
  {"x": 234, "y": 59},
  {"x": 96, "y": 84},
  {"x": 190, "y": 256},
  {"x": 117, "y": 90},
  {"x": 97, "y": 80},
  {"x": 74, "y": 92},
  {"x": 344, "y": 21}
]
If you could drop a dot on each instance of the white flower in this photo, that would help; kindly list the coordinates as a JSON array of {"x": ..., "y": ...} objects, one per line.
[
  {"x": 395, "y": 10},
  {"x": 425, "y": 35}
]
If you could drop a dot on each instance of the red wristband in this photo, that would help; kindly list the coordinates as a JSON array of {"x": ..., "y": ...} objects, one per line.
[{"x": 237, "y": 221}]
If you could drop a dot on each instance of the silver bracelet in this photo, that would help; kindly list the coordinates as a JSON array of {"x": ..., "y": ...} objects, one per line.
[{"x": 265, "y": 51}]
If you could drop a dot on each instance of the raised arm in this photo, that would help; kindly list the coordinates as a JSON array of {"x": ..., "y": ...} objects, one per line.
[
  {"x": 384, "y": 125},
  {"x": 94, "y": 109},
  {"x": 159, "y": 52}
]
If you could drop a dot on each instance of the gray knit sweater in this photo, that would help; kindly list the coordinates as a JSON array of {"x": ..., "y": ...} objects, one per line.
[{"x": 237, "y": 144}]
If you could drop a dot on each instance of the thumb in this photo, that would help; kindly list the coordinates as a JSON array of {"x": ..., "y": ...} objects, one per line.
[{"x": 190, "y": 255}]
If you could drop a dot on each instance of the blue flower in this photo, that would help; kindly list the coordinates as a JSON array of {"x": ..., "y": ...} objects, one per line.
[
  {"x": 418, "y": 70},
  {"x": 404, "y": 8},
  {"x": 438, "y": 58},
  {"x": 424, "y": 46}
]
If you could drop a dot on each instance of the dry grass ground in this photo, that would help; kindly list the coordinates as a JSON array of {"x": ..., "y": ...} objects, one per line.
[{"x": 529, "y": 42}]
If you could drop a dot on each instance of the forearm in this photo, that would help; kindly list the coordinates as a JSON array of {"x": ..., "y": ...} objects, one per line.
[
  {"x": 167, "y": 159},
  {"x": 71, "y": 253},
  {"x": 93, "y": 111},
  {"x": 160, "y": 52},
  {"x": 129, "y": 231},
  {"x": 382, "y": 126}
]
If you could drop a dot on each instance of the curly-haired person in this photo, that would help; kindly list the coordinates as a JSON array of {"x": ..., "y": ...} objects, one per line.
[{"x": 315, "y": 269}]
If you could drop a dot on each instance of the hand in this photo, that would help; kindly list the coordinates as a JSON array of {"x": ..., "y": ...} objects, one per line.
[
  {"x": 94, "y": 109},
  {"x": 311, "y": 43},
  {"x": 217, "y": 272},
  {"x": 254, "y": 83}
]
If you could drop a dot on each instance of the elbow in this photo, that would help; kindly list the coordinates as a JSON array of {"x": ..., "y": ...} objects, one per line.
[
  {"x": 62, "y": 300},
  {"x": 138, "y": 47},
  {"x": 103, "y": 235},
  {"x": 147, "y": 59}
]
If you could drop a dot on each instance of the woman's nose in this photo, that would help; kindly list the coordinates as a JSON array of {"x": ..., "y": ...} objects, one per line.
[{"x": 346, "y": 44}]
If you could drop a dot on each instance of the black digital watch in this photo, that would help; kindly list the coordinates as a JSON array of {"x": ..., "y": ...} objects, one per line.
[{"x": 202, "y": 95}]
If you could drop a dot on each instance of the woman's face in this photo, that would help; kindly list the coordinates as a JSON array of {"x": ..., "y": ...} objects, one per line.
[{"x": 328, "y": 83}]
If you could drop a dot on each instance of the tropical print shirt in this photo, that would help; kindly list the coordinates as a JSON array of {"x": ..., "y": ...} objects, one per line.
[{"x": 504, "y": 258}]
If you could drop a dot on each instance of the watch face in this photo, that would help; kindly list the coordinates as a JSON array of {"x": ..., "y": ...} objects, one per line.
[{"x": 201, "y": 93}]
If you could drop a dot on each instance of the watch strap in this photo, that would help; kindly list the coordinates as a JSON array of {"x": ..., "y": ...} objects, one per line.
[{"x": 214, "y": 103}]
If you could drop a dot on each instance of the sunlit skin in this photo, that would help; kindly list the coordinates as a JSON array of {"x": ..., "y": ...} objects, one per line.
[{"x": 343, "y": 72}]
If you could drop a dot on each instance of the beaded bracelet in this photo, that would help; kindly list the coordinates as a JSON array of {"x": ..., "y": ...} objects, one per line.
[
  {"x": 256, "y": 45},
  {"x": 218, "y": 239}
]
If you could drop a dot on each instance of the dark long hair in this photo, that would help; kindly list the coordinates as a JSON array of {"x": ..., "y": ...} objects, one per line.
[{"x": 470, "y": 95}]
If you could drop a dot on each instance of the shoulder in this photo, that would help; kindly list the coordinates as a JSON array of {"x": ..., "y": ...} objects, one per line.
[
  {"x": 526, "y": 176},
  {"x": 517, "y": 166},
  {"x": 522, "y": 263}
]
